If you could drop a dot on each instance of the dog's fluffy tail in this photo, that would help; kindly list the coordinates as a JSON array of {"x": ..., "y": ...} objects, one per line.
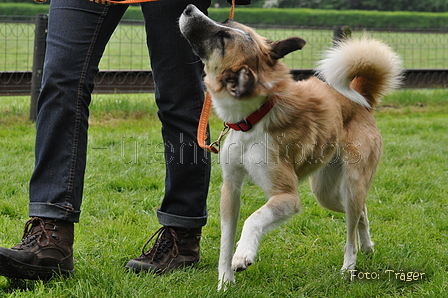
[{"x": 362, "y": 69}]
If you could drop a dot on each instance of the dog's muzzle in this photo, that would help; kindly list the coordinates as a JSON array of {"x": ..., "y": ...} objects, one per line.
[
  {"x": 199, "y": 30},
  {"x": 191, "y": 21}
]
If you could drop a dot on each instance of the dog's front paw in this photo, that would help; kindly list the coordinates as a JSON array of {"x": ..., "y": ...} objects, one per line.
[
  {"x": 241, "y": 261},
  {"x": 225, "y": 279}
]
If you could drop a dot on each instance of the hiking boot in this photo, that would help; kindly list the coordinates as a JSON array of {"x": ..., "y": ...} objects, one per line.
[
  {"x": 173, "y": 248},
  {"x": 46, "y": 248}
]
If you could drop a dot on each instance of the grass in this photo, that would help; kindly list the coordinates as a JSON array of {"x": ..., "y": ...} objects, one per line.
[
  {"x": 407, "y": 209},
  {"x": 127, "y": 48}
]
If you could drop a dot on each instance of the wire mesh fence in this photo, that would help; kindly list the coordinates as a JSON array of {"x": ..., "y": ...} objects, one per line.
[
  {"x": 16, "y": 43},
  {"x": 126, "y": 60}
]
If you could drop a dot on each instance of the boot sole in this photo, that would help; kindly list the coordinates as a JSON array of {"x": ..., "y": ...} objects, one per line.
[{"x": 16, "y": 269}]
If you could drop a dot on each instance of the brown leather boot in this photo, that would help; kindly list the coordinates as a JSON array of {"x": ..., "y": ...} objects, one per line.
[
  {"x": 46, "y": 248},
  {"x": 173, "y": 248}
]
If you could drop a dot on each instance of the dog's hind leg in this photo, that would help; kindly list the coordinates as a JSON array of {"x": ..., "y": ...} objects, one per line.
[
  {"x": 337, "y": 192},
  {"x": 364, "y": 233},
  {"x": 279, "y": 208},
  {"x": 357, "y": 177},
  {"x": 353, "y": 212},
  {"x": 230, "y": 209},
  {"x": 342, "y": 193},
  {"x": 354, "y": 187},
  {"x": 325, "y": 185}
]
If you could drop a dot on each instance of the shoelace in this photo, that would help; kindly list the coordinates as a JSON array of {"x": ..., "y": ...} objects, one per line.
[
  {"x": 159, "y": 248},
  {"x": 28, "y": 238}
]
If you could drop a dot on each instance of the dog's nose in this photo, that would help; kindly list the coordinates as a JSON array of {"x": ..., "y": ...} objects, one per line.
[{"x": 189, "y": 10}]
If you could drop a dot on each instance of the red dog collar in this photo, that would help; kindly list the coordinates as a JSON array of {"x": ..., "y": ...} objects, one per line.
[{"x": 247, "y": 123}]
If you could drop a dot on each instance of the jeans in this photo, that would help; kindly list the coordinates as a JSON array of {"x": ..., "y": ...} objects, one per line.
[{"x": 78, "y": 31}]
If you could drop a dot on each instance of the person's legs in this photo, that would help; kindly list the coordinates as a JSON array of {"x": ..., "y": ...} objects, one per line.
[
  {"x": 179, "y": 95},
  {"x": 77, "y": 34}
]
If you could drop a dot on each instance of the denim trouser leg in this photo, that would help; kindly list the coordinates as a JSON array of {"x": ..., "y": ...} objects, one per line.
[
  {"x": 78, "y": 33},
  {"x": 179, "y": 96}
]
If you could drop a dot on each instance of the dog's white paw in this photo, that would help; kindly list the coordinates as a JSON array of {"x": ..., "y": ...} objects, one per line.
[
  {"x": 225, "y": 280},
  {"x": 367, "y": 248},
  {"x": 223, "y": 285},
  {"x": 348, "y": 266},
  {"x": 242, "y": 260}
]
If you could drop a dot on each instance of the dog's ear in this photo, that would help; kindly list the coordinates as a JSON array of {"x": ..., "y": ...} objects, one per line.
[
  {"x": 239, "y": 83},
  {"x": 283, "y": 47}
]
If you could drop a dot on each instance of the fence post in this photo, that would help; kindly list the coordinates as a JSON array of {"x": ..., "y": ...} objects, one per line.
[
  {"x": 340, "y": 33},
  {"x": 40, "y": 36}
]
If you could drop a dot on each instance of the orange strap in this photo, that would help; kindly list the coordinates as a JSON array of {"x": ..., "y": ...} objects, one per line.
[
  {"x": 205, "y": 114},
  {"x": 202, "y": 126},
  {"x": 110, "y": 2},
  {"x": 232, "y": 10}
]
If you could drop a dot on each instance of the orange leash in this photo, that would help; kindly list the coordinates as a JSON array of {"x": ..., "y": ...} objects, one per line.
[
  {"x": 205, "y": 114},
  {"x": 202, "y": 126},
  {"x": 232, "y": 10},
  {"x": 110, "y": 2}
]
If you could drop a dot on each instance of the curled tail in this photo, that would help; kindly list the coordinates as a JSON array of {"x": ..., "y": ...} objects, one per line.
[{"x": 362, "y": 69}]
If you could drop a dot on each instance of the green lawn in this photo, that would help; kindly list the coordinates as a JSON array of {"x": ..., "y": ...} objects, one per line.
[{"x": 124, "y": 185}]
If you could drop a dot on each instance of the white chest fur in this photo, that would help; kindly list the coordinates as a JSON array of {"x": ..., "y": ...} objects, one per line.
[{"x": 248, "y": 152}]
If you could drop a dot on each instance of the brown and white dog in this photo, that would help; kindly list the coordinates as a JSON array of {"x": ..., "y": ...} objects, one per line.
[{"x": 325, "y": 130}]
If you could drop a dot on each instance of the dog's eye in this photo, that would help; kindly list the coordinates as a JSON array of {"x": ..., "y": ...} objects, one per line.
[
  {"x": 223, "y": 35},
  {"x": 221, "y": 39}
]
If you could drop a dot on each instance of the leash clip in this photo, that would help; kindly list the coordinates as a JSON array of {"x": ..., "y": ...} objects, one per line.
[{"x": 217, "y": 143}]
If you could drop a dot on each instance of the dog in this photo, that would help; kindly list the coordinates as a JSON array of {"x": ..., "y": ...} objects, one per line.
[{"x": 283, "y": 131}]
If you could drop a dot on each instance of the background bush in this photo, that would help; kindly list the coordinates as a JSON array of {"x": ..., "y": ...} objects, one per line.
[
  {"x": 382, "y": 5},
  {"x": 319, "y": 18}
]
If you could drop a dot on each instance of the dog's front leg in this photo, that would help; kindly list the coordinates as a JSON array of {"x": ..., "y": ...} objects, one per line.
[
  {"x": 279, "y": 208},
  {"x": 230, "y": 209}
]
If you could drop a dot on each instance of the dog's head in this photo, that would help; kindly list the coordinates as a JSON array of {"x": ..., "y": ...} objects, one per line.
[{"x": 235, "y": 57}]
